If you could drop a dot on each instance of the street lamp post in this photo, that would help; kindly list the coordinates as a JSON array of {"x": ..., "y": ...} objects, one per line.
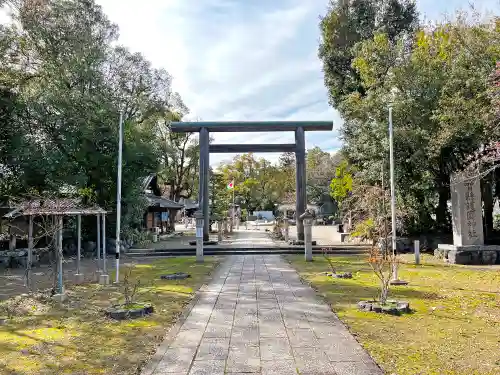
[
  {"x": 119, "y": 197},
  {"x": 393, "y": 191},
  {"x": 395, "y": 280}
]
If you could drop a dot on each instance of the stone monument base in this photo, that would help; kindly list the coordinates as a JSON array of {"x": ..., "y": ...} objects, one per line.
[
  {"x": 341, "y": 237},
  {"x": 471, "y": 254}
]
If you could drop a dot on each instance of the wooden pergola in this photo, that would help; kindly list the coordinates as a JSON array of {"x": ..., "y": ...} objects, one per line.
[{"x": 57, "y": 209}]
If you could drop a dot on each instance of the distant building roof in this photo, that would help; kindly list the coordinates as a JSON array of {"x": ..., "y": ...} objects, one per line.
[
  {"x": 53, "y": 206},
  {"x": 189, "y": 204},
  {"x": 291, "y": 207},
  {"x": 146, "y": 181},
  {"x": 153, "y": 200}
]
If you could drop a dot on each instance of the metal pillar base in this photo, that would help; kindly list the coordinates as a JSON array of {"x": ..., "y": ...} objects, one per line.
[
  {"x": 104, "y": 279},
  {"x": 396, "y": 280},
  {"x": 61, "y": 297},
  {"x": 79, "y": 278},
  {"x": 97, "y": 275}
]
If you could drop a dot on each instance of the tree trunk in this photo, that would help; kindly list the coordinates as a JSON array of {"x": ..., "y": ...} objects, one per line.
[
  {"x": 384, "y": 292},
  {"x": 425, "y": 222},
  {"x": 442, "y": 214},
  {"x": 487, "y": 196},
  {"x": 496, "y": 181},
  {"x": 171, "y": 220},
  {"x": 12, "y": 240}
]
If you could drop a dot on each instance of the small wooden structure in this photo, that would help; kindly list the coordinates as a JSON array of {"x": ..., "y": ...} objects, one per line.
[
  {"x": 57, "y": 209},
  {"x": 160, "y": 210}
]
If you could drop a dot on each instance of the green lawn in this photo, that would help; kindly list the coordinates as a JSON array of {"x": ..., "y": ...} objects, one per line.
[
  {"x": 455, "y": 326},
  {"x": 75, "y": 338}
]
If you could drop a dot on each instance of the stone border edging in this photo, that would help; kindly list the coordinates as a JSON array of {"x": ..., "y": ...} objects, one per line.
[
  {"x": 155, "y": 360},
  {"x": 116, "y": 313}
]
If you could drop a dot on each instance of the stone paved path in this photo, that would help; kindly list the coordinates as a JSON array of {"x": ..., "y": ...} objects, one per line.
[
  {"x": 257, "y": 317},
  {"x": 249, "y": 238}
]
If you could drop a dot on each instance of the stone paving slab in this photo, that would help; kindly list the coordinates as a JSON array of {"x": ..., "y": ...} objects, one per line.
[{"x": 256, "y": 317}]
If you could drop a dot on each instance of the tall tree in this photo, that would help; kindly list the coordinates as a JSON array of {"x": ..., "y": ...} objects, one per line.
[
  {"x": 286, "y": 177},
  {"x": 71, "y": 82},
  {"x": 349, "y": 22},
  {"x": 179, "y": 155},
  {"x": 256, "y": 182},
  {"x": 320, "y": 168},
  {"x": 221, "y": 196},
  {"x": 436, "y": 87}
]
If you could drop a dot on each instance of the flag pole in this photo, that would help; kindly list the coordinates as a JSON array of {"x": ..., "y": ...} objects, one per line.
[
  {"x": 233, "y": 204},
  {"x": 119, "y": 198}
]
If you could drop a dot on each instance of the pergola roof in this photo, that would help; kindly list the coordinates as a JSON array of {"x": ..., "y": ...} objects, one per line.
[{"x": 53, "y": 206}]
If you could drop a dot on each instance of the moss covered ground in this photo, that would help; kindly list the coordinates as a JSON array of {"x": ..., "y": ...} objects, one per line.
[
  {"x": 454, "y": 328},
  {"x": 44, "y": 337}
]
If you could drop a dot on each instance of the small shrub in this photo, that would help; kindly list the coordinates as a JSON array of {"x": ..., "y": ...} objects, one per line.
[
  {"x": 496, "y": 222},
  {"x": 382, "y": 263},
  {"x": 326, "y": 254},
  {"x": 129, "y": 286},
  {"x": 140, "y": 238}
]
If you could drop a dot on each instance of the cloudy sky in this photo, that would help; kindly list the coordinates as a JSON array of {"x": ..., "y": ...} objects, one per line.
[{"x": 245, "y": 59}]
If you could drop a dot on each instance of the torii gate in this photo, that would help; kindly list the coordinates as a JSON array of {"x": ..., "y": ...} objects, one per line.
[{"x": 299, "y": 127}]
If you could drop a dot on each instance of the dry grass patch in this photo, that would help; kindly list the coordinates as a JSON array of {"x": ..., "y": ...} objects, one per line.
[{"x": 76, "y": 338}]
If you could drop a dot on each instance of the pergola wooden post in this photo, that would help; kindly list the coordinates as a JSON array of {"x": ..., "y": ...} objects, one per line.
[
  {"x": 79, "y": 275},
  {"x": 104, "y": 278},
  {"x": 59, "y": 254},
  {"x": 29, "y": 272},
  {"x": 99, "y": 269}
]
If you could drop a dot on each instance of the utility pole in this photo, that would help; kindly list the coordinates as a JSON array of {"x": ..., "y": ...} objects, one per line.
[
  {"x": 384, "y": 211},
  {"x": 395, "y": 280},
  {"x": 119, "y": 197},
  {"x": 393, "y": 193}
]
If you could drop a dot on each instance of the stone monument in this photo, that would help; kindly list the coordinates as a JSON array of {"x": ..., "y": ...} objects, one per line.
[{"x": 467, "y": 220}]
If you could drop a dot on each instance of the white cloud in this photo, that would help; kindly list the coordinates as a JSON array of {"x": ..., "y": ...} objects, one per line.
[
  {"x": 236, "y": 60},
  {"x": 432, "y": 10},
  {"x": 244, "y": 60}
]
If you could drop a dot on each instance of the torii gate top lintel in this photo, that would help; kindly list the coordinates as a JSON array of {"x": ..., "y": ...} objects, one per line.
[{"x": 250, "y": 126}]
